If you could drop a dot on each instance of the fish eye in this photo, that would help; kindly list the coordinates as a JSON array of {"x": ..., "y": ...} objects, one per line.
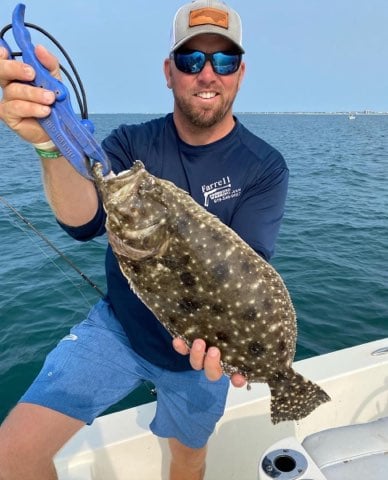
[{"x": 146, "y": 185}]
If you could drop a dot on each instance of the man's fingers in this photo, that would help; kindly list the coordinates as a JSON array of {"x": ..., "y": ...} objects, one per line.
[
  {"x": 11, "y": 70},
  {"x": 3, "y": 53},
  {"x": 197, "y": 354},
  {"x": 209, "y": 360},
  {"x": 19, "y": 110},
  {"x": 48, "y": 60},
  {"x": 212, "y": 364},
  {"x": 238, "y": 380},
  {"x": 22, "y": 91},
  {"x": 180, "y": 346}
]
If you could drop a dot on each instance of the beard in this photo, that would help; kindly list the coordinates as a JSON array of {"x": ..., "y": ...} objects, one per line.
[{"x": 203, "y": 117}]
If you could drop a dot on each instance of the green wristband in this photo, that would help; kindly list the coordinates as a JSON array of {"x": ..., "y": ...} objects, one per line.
[{"x": 48, "y": 154}]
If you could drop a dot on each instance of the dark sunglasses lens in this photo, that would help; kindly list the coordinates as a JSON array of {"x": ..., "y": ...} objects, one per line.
[
  {"x": 190, "y": 62},
  {"x": 193, "y": 61},
  {"x": 225, "y": 63}
]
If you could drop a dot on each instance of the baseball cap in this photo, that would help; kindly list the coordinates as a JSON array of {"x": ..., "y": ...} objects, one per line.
[{"x": 206, "y": 16}]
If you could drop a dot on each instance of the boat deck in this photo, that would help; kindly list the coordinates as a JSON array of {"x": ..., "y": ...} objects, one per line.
[{"x": 119, "y": 446}]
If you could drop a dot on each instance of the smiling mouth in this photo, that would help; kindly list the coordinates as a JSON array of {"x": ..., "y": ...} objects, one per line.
[{"x": 206, "y": 95}]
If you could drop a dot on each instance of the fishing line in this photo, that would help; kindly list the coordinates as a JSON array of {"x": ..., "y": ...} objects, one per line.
[
  {"x": 52, "y": 246},
  {"x": 44, "y": 253},
  {"x": 80, "y": 94}
]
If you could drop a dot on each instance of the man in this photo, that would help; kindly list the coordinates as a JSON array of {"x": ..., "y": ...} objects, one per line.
[{"x": 121, "y": 343}]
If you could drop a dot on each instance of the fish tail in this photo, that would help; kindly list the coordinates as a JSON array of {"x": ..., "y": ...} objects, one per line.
[{"x": 294, "y": 397}]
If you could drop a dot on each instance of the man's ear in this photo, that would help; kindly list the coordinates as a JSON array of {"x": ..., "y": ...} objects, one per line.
[
  {"x": 242, "y": 73},
  {"x": 167, "y": 71}
]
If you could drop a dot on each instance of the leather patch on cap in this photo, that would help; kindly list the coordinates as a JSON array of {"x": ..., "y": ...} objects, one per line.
[{"x": 209, "y": 16}]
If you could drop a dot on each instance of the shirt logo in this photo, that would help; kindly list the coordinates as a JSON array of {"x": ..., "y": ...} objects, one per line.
[{"x": 219, "y": 191}]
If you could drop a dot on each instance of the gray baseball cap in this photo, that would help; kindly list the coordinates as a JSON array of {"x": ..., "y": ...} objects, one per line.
[{"x": 206, "y": 16}]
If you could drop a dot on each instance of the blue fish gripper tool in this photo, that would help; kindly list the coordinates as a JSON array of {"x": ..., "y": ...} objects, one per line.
[{"x": 72, "y": 136}]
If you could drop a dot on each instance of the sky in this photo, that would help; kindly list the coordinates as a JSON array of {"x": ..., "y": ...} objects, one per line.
[{"x": 301, "y": 55}]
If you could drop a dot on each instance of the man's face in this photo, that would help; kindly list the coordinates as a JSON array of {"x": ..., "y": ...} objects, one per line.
[{"x": 205, "y": 98}]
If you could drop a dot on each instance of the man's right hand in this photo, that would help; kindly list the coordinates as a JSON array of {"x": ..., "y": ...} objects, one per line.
[
  {"x": 22, "y": 103},
  {"x": 72, "y": 197}
]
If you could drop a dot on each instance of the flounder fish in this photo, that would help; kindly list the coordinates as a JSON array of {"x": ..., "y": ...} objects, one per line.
[{"x": 201, "y": 280}]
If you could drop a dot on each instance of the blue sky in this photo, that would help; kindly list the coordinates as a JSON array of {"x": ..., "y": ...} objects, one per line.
[{"x": 302, "y": 55}]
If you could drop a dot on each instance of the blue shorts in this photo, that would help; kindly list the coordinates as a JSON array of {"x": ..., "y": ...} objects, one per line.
[{"x": 94, "y": 367}]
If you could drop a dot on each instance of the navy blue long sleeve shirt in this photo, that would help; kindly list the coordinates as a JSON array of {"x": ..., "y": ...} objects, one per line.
[{"x": 241, "y": 179}]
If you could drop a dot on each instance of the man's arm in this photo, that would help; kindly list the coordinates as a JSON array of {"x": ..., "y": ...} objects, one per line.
[{"x": 72, "y": 197}]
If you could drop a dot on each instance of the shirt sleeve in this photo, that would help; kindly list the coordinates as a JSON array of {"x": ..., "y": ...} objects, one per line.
[
  {"x": 90, "y": 230},
  {"x": 261, "y": 208},
  {"x": 118, "y": 148}
]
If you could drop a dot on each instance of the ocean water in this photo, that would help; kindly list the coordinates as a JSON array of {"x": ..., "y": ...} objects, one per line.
[{"x": 332, "y": 250}]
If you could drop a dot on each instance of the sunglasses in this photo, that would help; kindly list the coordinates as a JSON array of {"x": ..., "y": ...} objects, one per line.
[{"x": 193, "y": 61}]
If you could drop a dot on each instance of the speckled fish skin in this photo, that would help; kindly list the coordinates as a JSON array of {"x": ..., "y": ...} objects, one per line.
[{"x": 201, "y": 280}]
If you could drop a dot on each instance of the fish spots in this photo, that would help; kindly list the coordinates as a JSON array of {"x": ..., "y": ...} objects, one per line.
[
  {"x": 216, "y": 237},
  {"x": 279, "y": 377},
  {"x": 222, "y": 336},
  {"x": 189, "y": 305},
  {"x": 176, "y": 262},
  {"x": 188, "y": 279},
  {"x": 257, "y": 348},
  {"x": 245, "y": 267},
  {"x": 267, "y": 304},
  {"x": 218, "y": 309},
  {"x": 249, "y": 314},
  {"x": 220, "y": 271},
  {"x": 274, "y": 327},
  {"x": 136, "y": 268},
  {"x": 302, "y": 388},
  {"x": 245, "y": 369},
  {"x": 183, "y": 225}
]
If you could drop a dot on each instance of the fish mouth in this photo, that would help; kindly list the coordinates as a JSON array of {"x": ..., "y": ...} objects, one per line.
[
  {"x": 124, "y": 183},
  {"x": 134, "y": 253},
  {"x": 141, "y": 233},
  {"x": 128, "y": 181}
]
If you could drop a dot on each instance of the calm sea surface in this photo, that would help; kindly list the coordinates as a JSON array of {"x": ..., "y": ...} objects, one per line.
[{"x": 332, "y": 251}]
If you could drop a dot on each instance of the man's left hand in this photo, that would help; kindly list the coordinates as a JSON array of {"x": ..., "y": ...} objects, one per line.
[{"x": 209, "y": 360}]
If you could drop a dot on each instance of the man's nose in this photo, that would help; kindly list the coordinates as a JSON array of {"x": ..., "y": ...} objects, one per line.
[{"x": 207, "y": 73}]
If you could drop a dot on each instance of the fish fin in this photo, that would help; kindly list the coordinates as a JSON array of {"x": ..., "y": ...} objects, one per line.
[{"x": 293, "y": 397}]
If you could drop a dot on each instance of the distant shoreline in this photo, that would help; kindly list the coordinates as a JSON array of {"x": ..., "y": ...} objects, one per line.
[
  {"x": 357, "y": 114},
  {"x": 315, "y": 113}
]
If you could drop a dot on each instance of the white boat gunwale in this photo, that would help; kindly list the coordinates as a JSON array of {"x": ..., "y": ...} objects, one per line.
[{"x": 119, "y": 445}]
